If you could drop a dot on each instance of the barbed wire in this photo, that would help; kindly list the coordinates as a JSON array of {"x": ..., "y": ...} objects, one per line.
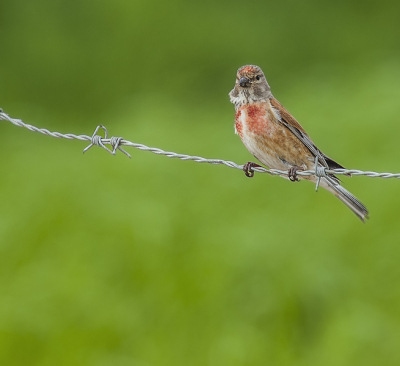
[{"x": 117, "y": 142}]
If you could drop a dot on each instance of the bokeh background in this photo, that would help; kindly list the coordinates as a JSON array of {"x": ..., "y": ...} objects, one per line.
[{"x": 106, "y": 260}]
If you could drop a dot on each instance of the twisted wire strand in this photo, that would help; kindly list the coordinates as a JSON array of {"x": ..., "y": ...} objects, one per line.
[{"x": 117, "y": 142}]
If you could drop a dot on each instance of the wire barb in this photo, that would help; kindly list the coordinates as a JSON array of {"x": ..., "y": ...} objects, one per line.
[
  {"x": 117, "y": 142},
  {"x": 97, "y": 140},
  {"x": 320, "y": 171}
]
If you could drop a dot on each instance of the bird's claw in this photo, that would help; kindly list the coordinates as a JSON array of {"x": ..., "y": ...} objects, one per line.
[
  {"x": 247, "y": 168},
  {"x": 292, "y": 173}
]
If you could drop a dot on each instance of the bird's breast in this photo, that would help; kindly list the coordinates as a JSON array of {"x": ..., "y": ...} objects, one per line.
[
  {"x": 252, "y": 119},
  {"x": 259, "y": 130}
]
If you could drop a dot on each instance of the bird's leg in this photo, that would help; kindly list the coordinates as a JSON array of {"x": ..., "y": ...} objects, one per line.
[
  {"x": 292, "y": 173},
  {"x": 247, "y": 168}
]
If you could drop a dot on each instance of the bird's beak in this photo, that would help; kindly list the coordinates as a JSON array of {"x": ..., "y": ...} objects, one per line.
[{"x": 244, "y": 82}]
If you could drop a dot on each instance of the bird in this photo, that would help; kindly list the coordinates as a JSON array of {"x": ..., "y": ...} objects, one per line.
[{"x": 274, "y": 137}]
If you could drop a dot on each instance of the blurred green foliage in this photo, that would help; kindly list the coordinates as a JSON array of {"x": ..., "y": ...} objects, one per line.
[{"x": 154, "y": 261}]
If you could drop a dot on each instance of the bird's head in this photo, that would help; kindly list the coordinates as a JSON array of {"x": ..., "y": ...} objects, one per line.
[{"x": 251, "y": 86}]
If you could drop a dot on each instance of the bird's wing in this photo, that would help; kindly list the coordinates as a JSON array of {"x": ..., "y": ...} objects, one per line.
[{"x": 291, "y": 124}]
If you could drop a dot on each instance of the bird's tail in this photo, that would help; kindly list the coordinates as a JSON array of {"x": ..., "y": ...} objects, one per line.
[{"x": 332, "y": 184}]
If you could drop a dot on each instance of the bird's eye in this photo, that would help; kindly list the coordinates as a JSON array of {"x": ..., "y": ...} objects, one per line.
[{"x": 258, "y": 77}]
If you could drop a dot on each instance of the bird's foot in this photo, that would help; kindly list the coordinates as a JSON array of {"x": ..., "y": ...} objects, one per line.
[
  {"x": 292, "y": 173},
  {"x": 247, "y": 168}
]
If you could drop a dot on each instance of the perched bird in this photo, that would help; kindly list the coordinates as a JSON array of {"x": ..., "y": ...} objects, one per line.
[{"x": 276, "y": 139}]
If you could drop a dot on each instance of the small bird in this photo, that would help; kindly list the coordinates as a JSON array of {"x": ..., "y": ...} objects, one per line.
[{"x": 277, "y": 140}]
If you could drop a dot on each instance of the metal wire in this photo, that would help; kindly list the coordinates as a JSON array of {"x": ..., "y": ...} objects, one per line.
[{"x": 117, "y": 142}]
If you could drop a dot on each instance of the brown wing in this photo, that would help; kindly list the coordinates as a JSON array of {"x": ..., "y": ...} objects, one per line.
[
  {"x": 290, "y": 122},
  {"x": 286, "y": 115}
]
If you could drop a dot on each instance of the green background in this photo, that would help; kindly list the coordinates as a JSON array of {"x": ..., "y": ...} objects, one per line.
[{"x": 106, "y": 260}]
